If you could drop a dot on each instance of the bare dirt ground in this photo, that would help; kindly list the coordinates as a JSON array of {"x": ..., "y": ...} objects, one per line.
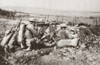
[{"x": 46, "y": 56}]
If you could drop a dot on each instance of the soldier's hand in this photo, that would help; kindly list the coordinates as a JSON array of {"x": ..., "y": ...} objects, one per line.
[{"x": 38, "y": 41}]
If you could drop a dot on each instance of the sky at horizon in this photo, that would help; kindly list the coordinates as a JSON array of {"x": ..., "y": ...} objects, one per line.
[{"x": 66, "y": 5}]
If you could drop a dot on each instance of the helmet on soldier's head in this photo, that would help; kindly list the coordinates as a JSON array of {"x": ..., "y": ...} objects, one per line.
[
  {"x": 32, "y": 20},
  {"x": 63, "y": 25},
  {"x": 46, "y": 22},
  {"x": 41, "y": 20}
]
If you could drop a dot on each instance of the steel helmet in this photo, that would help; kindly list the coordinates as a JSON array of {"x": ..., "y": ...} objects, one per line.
[
  {"x": 63, "y": 25},
  {"x": 41, "y": 20},
  {"x": 32, "y": 20}
]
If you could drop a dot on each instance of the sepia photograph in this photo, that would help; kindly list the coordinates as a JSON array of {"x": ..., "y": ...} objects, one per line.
[{"x": 49, "y": 32}]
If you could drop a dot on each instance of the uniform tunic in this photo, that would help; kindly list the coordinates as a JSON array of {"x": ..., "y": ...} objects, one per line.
[
  {"x": 63, "y": 34},
  {"x": 30, "y": 35},
  {"x": 52, "y": 28},
  {"x": 31, "y": 28}
]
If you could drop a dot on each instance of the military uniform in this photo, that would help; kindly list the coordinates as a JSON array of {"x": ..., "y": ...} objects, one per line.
[
  {"x": 30, "y": 36},
  {"x": 62, "y": 32},
  {"x": 52, "y": 28}
]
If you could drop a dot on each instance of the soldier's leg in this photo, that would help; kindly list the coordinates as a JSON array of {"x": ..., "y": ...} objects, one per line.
[{"x": 28, "y": 44}]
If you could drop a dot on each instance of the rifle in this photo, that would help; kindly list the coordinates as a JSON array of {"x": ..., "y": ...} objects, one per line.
[
  {"x": 51, "y": 37},
  {"x": 18, "y": 25}
]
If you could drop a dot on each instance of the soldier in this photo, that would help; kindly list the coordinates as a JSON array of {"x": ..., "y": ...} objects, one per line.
[
  {"x": 30, "y": 34},
  {"x": 52, "y": 28},
  {"x": 62, "y": 32},
  {"x": 41, "y": 29}
]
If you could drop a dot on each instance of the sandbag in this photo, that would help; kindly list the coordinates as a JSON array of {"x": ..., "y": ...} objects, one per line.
[
  {"x": 68, "y": 42},
  {"x": 21, "y": 33},
  {"x": 6, "y": 39},
  {"x": 12, "y": 40}
]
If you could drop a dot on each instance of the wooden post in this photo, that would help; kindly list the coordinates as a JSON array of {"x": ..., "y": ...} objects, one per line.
[
  {"x": 75, "y": 20},
  {"x": 57, "y": 18},
  {"x": 99, "y": 20},
  {"x": 47, "y": 18},
  {"x": 62, "y": 18},
  {"x": 96, "y": 21}
]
